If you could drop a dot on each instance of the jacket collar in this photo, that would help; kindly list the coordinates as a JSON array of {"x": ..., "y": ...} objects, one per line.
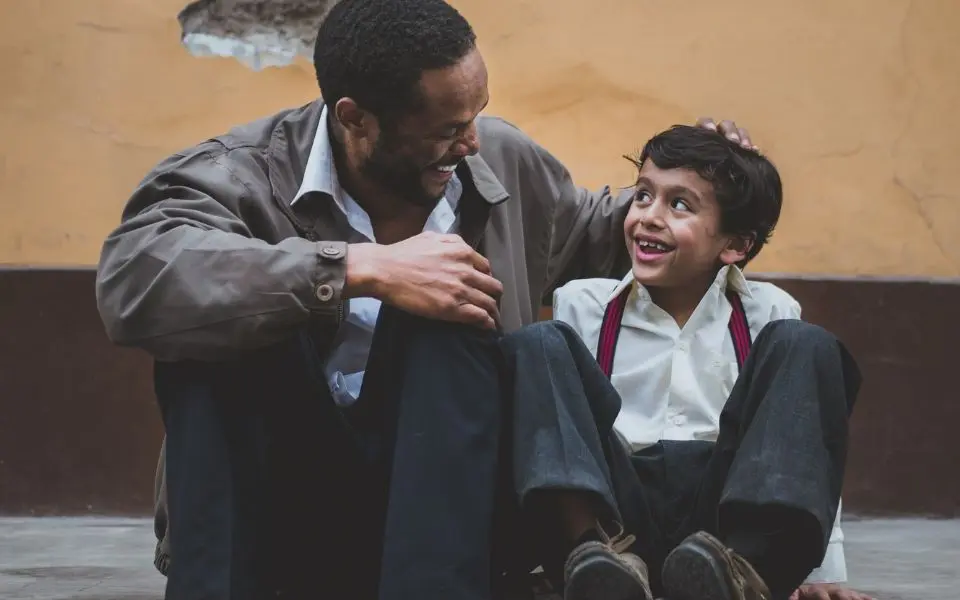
[
  {"x": 293, "y": 138},
  {"x": 485, "y": 181}
]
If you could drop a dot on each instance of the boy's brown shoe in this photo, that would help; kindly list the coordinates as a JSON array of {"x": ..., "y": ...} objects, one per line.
[
  {"x": 702, "y": 568},
  {"x": 604, "y": 570}
]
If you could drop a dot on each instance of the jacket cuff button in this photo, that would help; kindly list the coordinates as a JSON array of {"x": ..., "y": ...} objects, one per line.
[
  {"x": 324, "y": 292},
  {"x": 331, "y": 252}
]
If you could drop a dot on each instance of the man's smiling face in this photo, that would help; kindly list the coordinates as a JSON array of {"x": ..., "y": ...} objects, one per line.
[{"x": 416, "y": 154}]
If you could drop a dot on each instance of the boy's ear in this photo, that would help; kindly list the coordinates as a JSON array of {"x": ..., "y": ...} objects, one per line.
[{"x": 736, "y": 249}]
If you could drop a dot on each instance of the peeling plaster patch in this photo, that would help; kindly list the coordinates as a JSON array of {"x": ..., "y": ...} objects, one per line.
[
  {"x": 258, "y": 51},
  {"x": 258, "y": 33}
]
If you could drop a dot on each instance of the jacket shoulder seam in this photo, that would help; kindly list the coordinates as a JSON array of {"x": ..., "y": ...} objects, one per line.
[{"x": 216, "y": 158}]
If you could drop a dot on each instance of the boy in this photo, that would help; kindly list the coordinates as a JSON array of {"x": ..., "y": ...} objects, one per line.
[{"x": 729, "y": 460}]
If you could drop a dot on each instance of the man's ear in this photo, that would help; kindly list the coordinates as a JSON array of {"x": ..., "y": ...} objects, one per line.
[
  {"x": 355, "y": 120},
  {"x": 736, "y": 249}
]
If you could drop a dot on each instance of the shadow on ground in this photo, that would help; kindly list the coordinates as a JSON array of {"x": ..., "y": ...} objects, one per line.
[{"x": 111, "y": 559}]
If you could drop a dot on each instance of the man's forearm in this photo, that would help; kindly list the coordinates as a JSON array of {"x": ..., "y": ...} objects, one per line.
[{"x": 191, "y": 293}]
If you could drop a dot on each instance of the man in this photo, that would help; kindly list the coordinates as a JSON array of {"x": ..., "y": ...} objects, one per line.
[{"x": 254, "y": 267}]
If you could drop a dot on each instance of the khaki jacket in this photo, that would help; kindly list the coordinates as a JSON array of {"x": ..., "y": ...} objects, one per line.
[{"x": 210, "y": 260}]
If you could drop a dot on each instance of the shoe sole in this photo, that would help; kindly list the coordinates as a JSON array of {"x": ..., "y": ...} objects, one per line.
[
  {"x": 693, "y": 571},
  {"x": 601, "y": 577}
]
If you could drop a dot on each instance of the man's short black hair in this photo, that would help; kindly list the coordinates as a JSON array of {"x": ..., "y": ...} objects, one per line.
[
  {"x": 746, "y": 184},
  {"x": 375, "y": 51}
]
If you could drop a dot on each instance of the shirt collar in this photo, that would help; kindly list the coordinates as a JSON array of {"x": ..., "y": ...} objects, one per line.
[
  {"x": 320, "y": 174},
  {"x": 729, "y": 275}
]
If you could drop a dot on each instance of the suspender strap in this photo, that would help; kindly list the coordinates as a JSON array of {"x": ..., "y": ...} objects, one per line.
[
  {"x": 739, "y": 329},
  {"x": 610, "y": 331},
  {"x": 613, "y": 316}
]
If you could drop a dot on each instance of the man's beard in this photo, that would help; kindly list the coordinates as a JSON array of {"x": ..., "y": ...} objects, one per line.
[{"x": 404, "y": 179}]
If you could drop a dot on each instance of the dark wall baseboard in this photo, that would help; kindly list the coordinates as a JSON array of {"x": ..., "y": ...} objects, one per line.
[
  {"x": 79, "y": 430},
  {"x": 904, "y": 449}
]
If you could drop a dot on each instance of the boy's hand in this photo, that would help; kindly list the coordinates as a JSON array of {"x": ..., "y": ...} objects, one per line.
[
  {"x": 729, "y": 130},
  {"x": 827, "y": 591}
]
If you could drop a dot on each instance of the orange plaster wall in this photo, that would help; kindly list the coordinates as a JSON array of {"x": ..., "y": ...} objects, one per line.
[{"x": 856, "y": 102}]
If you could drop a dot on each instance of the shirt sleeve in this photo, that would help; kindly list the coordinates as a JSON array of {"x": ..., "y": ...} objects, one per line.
[
  {"x": 833, "y": 569},
  {"x": 579, "y": 305}
]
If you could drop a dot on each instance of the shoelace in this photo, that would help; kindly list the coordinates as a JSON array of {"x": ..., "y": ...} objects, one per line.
[{"x": 620, "y": 542}]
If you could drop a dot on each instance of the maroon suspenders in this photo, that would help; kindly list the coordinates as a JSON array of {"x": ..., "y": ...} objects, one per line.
[
  {"x": 739, "y": 329},
  {"x": 610, "y": 330}
]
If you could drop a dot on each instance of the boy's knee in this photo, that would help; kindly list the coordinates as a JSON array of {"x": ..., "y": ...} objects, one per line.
[
  {"x": 795, "y": 337},
  {"x": 542, "y": 334},
  {"x": 795, "y": 332}
]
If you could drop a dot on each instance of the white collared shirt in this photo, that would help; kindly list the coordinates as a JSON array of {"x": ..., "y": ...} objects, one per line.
[
  {"x": 348, "y": 359},
  {"x": 674, "y": 381}
]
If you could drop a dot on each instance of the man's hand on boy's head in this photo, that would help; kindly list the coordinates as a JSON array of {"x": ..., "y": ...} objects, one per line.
[
  {"x": 729, "y": 130},
  {"x": 827, "y": 591}
]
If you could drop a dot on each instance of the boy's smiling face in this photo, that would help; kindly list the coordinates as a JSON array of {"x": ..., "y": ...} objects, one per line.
[{"x": 673, "y": 230}]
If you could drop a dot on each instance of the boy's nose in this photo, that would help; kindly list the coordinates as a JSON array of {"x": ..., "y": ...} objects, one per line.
[{"x": 653, "y": 216}]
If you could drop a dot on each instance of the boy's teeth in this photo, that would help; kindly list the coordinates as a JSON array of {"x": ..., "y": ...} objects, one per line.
[
  {"x": 446, "y": 168},
  {"x": 655, "y": 245}
]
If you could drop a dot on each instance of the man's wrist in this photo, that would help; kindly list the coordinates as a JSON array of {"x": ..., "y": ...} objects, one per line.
[{"x": 363, "y": 278}]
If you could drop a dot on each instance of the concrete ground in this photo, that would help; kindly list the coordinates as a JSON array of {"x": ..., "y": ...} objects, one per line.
[{"x": 111, "y": 559}]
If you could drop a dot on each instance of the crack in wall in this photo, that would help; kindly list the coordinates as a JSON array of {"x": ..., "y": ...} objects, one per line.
[{"x": 258, "y": 33}]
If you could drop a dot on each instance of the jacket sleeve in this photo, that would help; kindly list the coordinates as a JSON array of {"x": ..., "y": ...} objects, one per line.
[
  {"x": 183, "y": 276},
  {"x": 587, "y": 227}
]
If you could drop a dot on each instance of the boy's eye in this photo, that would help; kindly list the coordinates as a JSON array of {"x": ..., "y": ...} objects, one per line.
[
  {"x": 642, "y": 197},
  {"x": 680, "y": 204}
]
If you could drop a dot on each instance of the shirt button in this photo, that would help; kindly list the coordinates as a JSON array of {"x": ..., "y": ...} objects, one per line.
[
  {"x": 331, "y": 252},
  {"x": 683, "y": 346},
  {"x": 679, "y": 420},
  {"x": 324, "y": 292}
]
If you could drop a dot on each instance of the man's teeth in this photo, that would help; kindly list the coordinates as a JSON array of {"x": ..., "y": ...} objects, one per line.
[
  {"x": 446, "y": 168},
  {"x": 654, "y": 245}
]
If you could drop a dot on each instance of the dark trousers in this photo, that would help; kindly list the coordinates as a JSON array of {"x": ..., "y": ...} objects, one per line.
[
  {"x": 415, "y": 492},
  {"x": 420, "y": 489},
  {"x": 775, "y": 471}
]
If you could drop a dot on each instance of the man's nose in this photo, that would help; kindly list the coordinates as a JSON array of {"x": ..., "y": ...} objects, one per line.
[{"x": 469, "y": 142}]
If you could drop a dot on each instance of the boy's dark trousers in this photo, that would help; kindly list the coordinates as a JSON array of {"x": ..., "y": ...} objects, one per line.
[
  {"x": 412, "y": 493},
  {"x": 770, "y": 485}
]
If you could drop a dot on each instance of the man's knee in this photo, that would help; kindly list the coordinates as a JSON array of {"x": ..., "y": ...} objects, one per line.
[{"x": 432, "y": 334}]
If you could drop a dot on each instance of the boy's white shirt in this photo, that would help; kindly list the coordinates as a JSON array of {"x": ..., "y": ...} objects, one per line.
[{"x": 674, "y": 382}]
